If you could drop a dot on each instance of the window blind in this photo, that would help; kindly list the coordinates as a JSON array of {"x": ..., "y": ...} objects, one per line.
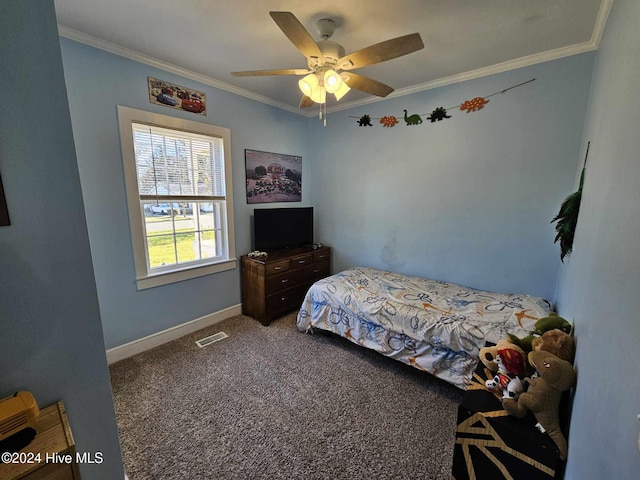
[{"x": 183, "y": 164}]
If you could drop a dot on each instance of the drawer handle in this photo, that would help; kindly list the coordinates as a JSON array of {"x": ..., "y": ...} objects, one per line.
[
  {"x": 277, "y": 268},
  {"x": 320, "y": 256},
  {"x": 284, "y": 299},
  {"x": 285, "y": 280},
  {"x": 316, "y": 270},
  {"x": 302, "y": 261}
]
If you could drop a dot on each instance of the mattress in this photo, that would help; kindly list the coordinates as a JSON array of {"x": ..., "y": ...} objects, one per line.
[{"x": 431, "y": 325}]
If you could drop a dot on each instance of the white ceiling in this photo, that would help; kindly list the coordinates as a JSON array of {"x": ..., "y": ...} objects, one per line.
[{"x": 207, "y": 39}]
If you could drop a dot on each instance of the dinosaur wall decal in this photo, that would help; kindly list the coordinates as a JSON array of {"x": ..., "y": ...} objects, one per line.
[
  {"x": 412, "y": 119},
  {"x": 474, "y": 104},
  {"x": 438, "y": 114},
  {"x": 388, "y": 121},
  {"x": 365, "y": 121}
]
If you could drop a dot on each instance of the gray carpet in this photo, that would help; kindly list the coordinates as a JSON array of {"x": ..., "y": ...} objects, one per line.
[{"x": 272, "y": 402}]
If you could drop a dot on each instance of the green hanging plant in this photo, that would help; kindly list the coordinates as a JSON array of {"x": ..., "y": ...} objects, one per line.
[{"x": 567, "y": 217}]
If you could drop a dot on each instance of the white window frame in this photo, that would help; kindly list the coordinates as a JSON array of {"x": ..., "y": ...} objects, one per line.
[{"x": 145, "y": 278}]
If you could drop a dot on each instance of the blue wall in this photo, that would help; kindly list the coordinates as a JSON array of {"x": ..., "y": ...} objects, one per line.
[
  {"x": 600, "y": 286},
  {"x": 498, "y": 175},
  {"x": 98, "y": 81},
  {"x": 468, "y": 199},
  {"x": 51, "y": 339}
]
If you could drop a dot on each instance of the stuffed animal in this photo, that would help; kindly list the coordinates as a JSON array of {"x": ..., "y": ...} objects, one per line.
[
  {"x": 508, "y": 363},
  {"x": 557, "y": 342},
  {"x": 524, "y": 343},
  {"x": 549, "y": 323},
  {"x": 552, "y": 322},
  {"x": 543, "y": 396}
]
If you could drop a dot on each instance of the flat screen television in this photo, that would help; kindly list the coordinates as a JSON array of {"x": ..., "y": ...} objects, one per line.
[{"x": 276, "y": 228}]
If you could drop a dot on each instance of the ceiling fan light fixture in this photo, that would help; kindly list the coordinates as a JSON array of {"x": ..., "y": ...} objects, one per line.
[
  {"x": 319, "y": 95},
  {"x": 332, "y": 81},
  {"x": 309, "y": 84},
  {"x": 342, "y": 91}
]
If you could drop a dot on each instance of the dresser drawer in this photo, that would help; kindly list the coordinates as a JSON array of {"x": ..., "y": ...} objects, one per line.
[
  {"x": 281, "y": 281},
  {"x": 321, "y": 255},
  {"x": 315, "y": 271},
  {"x": 301, "y": 260},
  {"x": 285, "y": 298},
  {"x": 278, "y": 267}
]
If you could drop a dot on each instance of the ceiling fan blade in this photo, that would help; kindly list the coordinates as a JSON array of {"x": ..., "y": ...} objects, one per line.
[
  {"x": 366, "y": 84},
  {"x": 262, "y": 73},
  {"x": 297, "y": 34},
  {"x": 380, "y": 52},
  {"x": 306, "y": 102}
]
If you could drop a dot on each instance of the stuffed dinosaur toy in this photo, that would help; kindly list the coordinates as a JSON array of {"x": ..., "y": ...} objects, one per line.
[
  {"x": 553, "y": 321},
  {"x": 543, "y": 396},
  {"x": 508, "y": 363}
]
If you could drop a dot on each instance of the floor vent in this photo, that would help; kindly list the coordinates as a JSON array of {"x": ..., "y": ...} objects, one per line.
[{"x": 203, "y": 342}]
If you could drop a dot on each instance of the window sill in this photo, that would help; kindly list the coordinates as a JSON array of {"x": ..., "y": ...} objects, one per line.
[{"x": 166, "y": 278}]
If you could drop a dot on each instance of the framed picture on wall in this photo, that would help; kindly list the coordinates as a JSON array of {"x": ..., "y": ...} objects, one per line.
[
  {"x": 273, "y": 177},
  {"x": 175, "y": 96},
  {"x": 4, "y": 213}
]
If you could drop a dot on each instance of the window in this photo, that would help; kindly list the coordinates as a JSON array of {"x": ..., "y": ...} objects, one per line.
[{"x": 178, "y": 181}]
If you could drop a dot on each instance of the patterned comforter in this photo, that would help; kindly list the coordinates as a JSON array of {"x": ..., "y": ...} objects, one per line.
[{"x": 434, "y": 326}]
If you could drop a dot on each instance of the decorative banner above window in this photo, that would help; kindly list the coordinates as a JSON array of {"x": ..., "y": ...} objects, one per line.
[
  {"x": 175, "y": 96},
  {"x": 437, "y": 115}
]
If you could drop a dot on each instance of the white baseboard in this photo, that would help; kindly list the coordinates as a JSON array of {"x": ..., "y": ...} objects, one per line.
[{"x": 121, "y": 352}]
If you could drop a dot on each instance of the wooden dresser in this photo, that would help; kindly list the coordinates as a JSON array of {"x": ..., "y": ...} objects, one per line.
[
  {"x": 52, "y": 453},
  {"x": 276, "y": 284}
]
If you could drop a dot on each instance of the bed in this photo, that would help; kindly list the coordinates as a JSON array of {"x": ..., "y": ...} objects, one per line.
[{"x": 431, "y": 325}]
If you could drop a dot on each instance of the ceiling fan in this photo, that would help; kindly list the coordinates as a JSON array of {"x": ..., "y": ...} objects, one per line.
[{"x": 329, "y": 70}]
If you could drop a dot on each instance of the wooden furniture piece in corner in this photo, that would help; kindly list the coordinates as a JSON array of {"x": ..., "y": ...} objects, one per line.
[
  {"x": 276, "y": 284},
  {"x": 53, "y": 439}
]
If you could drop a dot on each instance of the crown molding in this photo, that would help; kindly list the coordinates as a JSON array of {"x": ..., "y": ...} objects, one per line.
[
  {"x": 598, "y": 29},
  {"x": 591, "y": 45},
  {"x": 92, "y": 41},
  {"x": 473, "y": 74}
]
